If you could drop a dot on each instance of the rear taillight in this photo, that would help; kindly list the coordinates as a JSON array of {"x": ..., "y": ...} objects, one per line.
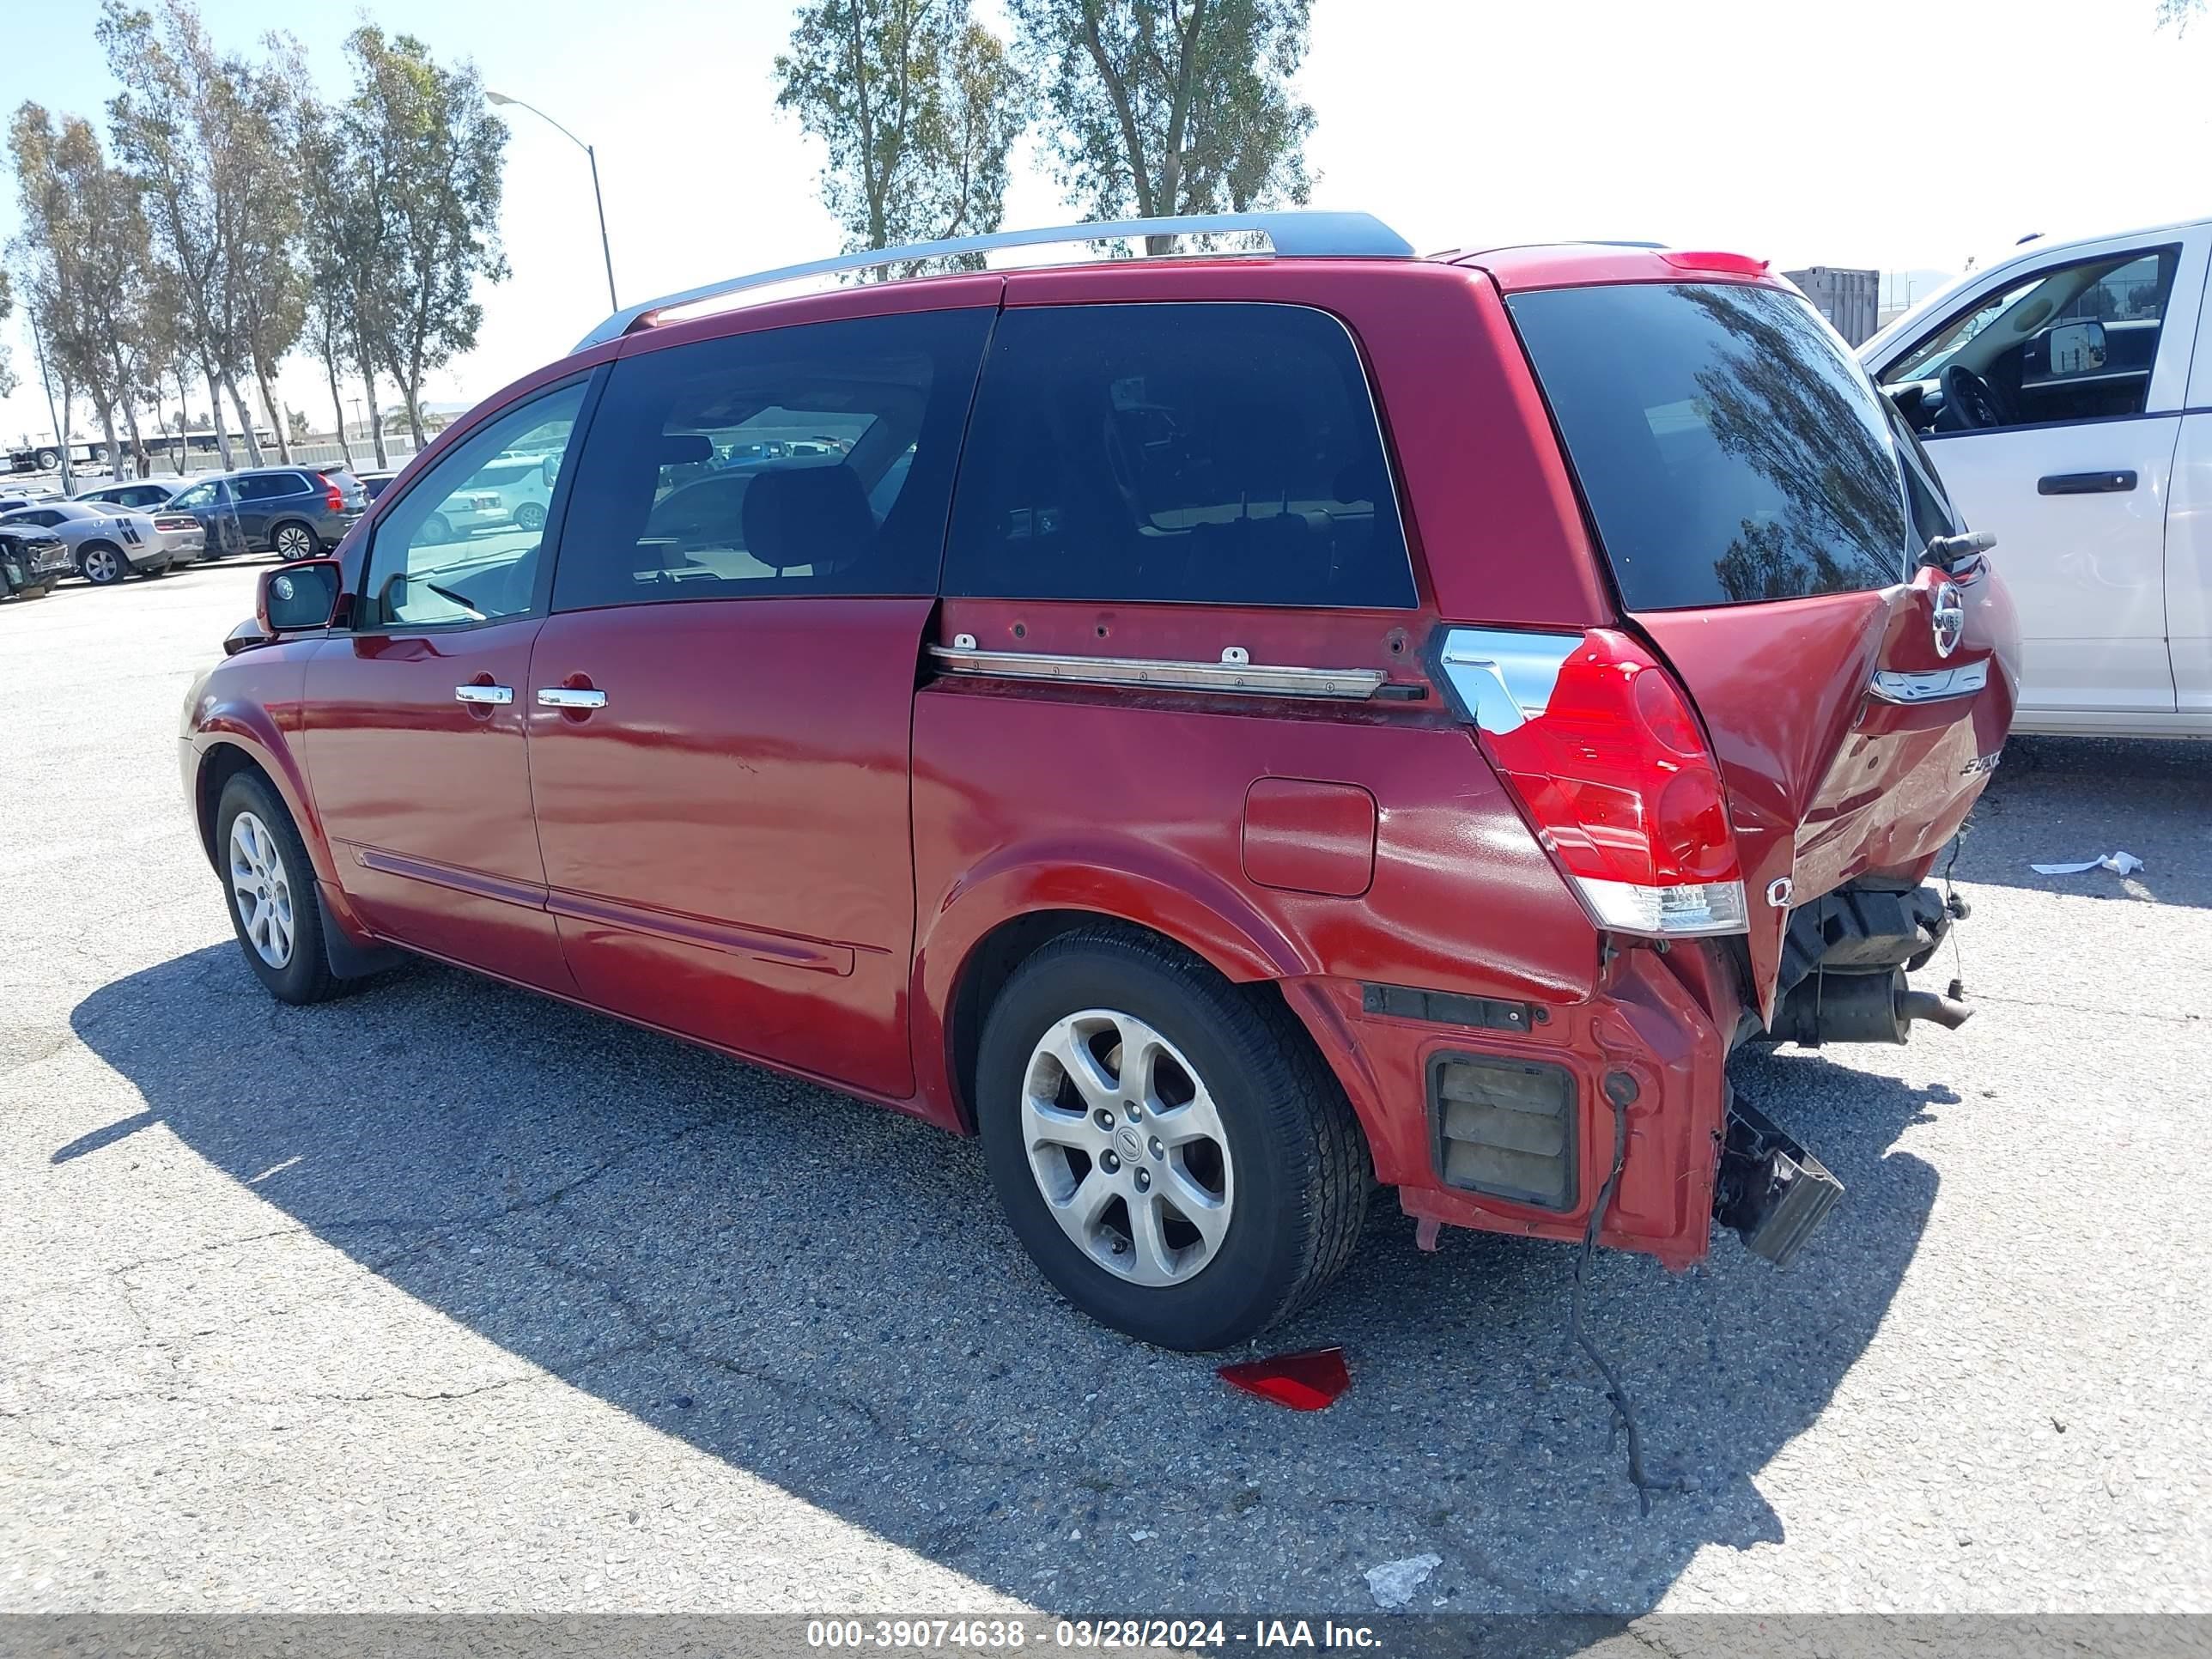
[
  {"x": 1610, "y": 765},
  {"x": 333, "y": 497}
]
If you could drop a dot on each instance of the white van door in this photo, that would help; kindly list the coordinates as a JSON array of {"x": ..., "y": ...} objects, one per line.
[
  {"x": 2050, "y": 395},
  {"x": 2189, "y": 547}
]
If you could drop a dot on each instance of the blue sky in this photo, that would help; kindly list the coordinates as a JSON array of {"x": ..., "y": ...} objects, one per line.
[{"x": 1888, "y": 134}]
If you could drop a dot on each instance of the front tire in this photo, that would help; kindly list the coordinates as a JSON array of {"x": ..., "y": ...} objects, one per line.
[
  {"x": 530, "y": 516},
  {"x": 294, "y": 542},
  {"x": 1169, "y": 1148},
  {"x": 437, "y": 530},
  {"x": 102, "y": 564},
  {"x": 270, "y": 887}
]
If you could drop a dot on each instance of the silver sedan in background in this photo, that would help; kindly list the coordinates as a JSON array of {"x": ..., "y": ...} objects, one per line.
[{"x": 108, "y": 543}]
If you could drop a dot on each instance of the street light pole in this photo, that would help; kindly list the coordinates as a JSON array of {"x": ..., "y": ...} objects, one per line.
[{"x": 590, "y": 156}]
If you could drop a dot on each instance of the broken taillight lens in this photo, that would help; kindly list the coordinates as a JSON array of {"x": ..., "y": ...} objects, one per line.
[
  {"x": 1617, "y": 780},
  {"x": 1303, "y": 1382}
]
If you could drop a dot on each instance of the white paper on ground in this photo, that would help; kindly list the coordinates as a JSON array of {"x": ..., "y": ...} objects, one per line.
[
  {"x": 2120, "y": 863},
  {"x": 1394, "y": 1583}
]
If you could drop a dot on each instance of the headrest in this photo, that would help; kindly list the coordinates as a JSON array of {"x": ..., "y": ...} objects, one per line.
[{"x": 809, "y": 515}]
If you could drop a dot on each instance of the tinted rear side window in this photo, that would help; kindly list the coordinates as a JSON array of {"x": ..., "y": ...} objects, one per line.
[
  {"x": 1203, "y": 452},
  {"x": 1728, "y": 448},
  {"x": 813, "y": 460}
]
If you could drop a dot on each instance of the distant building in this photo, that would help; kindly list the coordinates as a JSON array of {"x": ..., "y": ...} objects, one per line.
[{"x": 1848, "y": 299}]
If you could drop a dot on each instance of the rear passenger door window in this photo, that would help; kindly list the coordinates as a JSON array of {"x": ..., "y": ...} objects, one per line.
[
  {"x": 1206, "y": 453},
  {"x": 813, "y": 460}
]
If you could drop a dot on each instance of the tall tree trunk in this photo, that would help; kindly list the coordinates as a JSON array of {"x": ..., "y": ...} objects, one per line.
[
  {"x": 138, "y": 467},
  {"x": 183, "y": 421},
  {"x": 244, "y": 420},
  {"x": 110, "y": 453},
  {"x": 215, "y": 412},
  {"x": 411, "y": 391},
  {"x": 276, "y": 414},
  {"x": 369, "y": 384},
  {"x": 338, "y": 403}
]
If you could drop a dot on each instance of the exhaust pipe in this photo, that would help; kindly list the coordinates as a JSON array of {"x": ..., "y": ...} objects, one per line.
[
  {"x": 1864, "y": 1007},
  {"x": 1949, "y": 1012}
]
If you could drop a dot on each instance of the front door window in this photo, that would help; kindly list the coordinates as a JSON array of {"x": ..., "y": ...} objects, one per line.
[
  {"x": 453, "y": 551},
  {"x": 2074, "y": 343}
]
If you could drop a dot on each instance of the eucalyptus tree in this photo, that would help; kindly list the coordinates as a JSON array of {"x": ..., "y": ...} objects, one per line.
[
  {"x": 1156, "y": 107},
  {"x": 85, "y": 244},
  {"x": 433, "y": 155},
  {"x": 918, "y": 104}
]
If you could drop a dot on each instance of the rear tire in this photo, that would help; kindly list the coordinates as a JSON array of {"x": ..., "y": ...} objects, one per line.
[
  {"x": 102, "y": 564},
  {"x": 436, "y": 529},
  {"x": 1200, "y": 1243},
  {"x": 269, "y": 886},
  {"x": 530, "y": 516},
  {"x": 292, "y": 541}
]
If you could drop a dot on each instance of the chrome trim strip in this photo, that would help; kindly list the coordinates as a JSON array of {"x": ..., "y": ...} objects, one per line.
[
  {"x": 1935, "y": 685},
  {"x": 1307, "y": 234},
  {"x": 1503, "y": 678},
  {"x": 814, "y": 956},
  {"x": 1346, "y": 684}
]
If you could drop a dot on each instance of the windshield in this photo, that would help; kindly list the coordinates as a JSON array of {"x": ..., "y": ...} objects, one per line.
[{"x": 1728, "y": 448}]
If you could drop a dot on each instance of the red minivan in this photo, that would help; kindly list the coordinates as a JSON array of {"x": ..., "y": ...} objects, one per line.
[{"x": 1232, "y": 731}]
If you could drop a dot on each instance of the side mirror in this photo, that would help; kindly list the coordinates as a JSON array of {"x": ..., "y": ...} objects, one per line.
[
  {"x": 244, "y": 637},
  {"x": 294, "y": 598},
  {"x": 2076, "y": 348}
]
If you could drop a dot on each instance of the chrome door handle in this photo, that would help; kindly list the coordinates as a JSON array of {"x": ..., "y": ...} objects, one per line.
[
  {"x": 497, "y": 694},
  {"x": 561, "y": 697}
]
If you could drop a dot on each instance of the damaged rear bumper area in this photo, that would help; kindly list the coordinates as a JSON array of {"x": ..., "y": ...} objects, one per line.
[
  {"x": 1843, "y": 980},
  {"x": 1844, "y": 960}
]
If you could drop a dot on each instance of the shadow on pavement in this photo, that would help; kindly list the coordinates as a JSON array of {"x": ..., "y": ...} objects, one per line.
[
  {"x": 2060, "y": 800},
  {"x": 822, "y": 1294}
]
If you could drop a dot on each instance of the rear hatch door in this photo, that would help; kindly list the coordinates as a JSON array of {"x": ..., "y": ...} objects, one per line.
[{"x": 1762, "y": 510}]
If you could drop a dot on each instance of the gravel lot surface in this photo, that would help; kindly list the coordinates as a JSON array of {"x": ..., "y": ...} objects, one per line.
[{"x": 444, "y": 1296}]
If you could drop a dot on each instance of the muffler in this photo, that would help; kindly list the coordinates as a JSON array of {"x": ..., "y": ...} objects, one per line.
[{"x": 1827, "y": 1006}]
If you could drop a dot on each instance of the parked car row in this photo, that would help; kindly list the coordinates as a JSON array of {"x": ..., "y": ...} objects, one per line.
[
  {"x": 1233, "y": 733},
  {"x": 150, "y": 526}
]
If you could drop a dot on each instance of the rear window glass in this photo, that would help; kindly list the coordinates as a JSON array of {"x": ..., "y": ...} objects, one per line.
[
  {"x": 1218, "y": 453},
  {"x": 1728, "y": 446}
]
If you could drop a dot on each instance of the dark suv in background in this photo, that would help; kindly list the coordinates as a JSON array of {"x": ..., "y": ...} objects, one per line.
[{"x": 294, "y": 512}]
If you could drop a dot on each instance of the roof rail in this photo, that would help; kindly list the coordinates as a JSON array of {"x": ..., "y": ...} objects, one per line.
[{"x": 1295, "y": 234}]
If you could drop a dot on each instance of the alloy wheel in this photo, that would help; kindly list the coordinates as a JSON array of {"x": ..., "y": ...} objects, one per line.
[
  {"x": 293, "y": 544},
  {"x": 1126, "y": 1147},
  {"x": 102, "y": 566},
  {"x": 261, "y": 889}
]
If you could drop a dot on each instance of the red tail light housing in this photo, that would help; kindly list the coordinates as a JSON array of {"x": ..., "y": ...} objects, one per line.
[
  {"x": 1607, "y": 760},
  {"x": 333, "y": 497}
]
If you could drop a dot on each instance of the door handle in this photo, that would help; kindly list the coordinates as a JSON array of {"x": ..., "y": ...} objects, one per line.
[
  {"x": 2084, "y": 484},
  {"x": 562, "y": 697},
  {"x": 493, "y": 694}
]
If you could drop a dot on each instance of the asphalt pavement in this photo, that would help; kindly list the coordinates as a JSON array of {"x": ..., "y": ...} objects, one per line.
[{"x": 443, "y": 1297}]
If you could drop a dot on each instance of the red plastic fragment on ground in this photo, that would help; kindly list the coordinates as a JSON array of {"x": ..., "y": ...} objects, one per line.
[{"x": 1304, "y": 1382}]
